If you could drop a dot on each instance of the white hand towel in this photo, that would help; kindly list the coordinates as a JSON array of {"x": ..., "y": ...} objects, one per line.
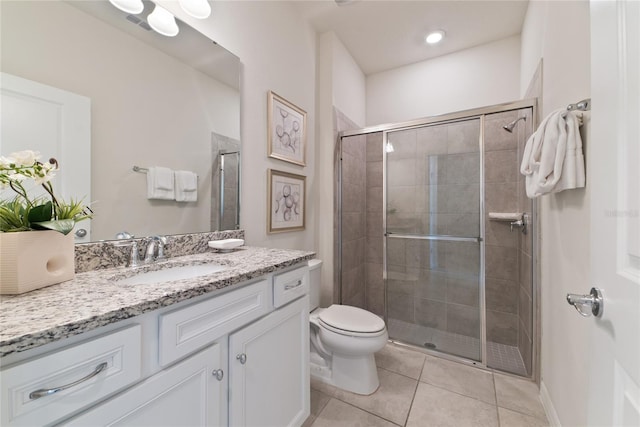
[
  {"x": 553, "y": 159},
  {"x": 160, "y": 183},
  {"x": 186, "y": 186}
]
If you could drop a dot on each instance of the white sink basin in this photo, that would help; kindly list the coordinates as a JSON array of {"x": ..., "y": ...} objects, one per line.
[{"x": 174, "y": 273}]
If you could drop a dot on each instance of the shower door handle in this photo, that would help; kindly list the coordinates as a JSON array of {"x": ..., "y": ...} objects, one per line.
[{"x": 587, "y": 305}]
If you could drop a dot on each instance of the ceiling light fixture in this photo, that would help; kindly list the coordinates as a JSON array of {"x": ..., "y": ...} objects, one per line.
[
  {"x": 197, "y": 8},
  {"x": 435, "y": 37},
  {"x": 133, "y": 7},
  {"x": 163, "y": 22}
]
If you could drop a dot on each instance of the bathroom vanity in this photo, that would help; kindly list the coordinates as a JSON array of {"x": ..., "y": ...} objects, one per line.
[{"x": 228, "y": 348}]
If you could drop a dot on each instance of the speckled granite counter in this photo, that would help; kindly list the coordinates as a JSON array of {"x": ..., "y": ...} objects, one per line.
[{"x": 92, "y": 299}]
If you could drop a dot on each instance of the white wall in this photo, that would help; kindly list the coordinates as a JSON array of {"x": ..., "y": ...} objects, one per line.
[
  {"x": 483, "y": 75},
  {"x": 340, "y": 84},
  {"x": 277, "y": 50},
  {"x": 558, "y": 32}
]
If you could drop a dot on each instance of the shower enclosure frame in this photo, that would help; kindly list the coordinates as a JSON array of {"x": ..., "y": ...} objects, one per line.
[{"x": 476, "y": 113}]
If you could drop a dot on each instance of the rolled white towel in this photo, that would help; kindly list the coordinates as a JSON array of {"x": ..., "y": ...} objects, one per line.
[{"x": 553, "y": 159}]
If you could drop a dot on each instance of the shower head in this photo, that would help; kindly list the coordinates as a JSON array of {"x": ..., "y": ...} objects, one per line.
[{"x": 509, "y": 127}]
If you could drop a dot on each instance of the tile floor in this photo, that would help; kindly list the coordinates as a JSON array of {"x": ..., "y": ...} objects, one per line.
[{"x": 418, "y": 390}]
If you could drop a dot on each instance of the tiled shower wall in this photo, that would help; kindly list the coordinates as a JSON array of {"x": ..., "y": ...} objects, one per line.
[
  {"x": 352, "y": 242},
  {"x": 508, "y": 253},
  {"x": 374, "y": 227}
]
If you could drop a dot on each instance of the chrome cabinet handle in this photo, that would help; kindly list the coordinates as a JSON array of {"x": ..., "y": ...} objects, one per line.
[
  {"x": 242, "y": 358},
  {"x": 46, "y": 392},
  {"x": 587, "y": 305},
  {"x": 81, "y": 232},
  {"x": 298, "y": 283},
  {"x": 218, "y": 373}
]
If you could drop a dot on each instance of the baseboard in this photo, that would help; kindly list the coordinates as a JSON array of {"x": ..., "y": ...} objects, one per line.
[{"x": 549, "y": 409}]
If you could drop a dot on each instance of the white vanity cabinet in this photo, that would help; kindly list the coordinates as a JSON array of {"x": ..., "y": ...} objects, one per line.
[
  {"x": 269, "y": 360},
  {"x": 237, "y": 358},
  {"x": 190, "y": 393}
]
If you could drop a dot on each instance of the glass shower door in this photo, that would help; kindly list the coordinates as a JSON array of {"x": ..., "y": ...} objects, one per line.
[{"x": 433, "y": 250}]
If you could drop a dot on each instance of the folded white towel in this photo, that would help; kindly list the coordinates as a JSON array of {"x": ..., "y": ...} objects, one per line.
[
  {"x": 553, "y": 159},
  {"x": 186, "y": 186},
  {"x": 160, "y": 183}
]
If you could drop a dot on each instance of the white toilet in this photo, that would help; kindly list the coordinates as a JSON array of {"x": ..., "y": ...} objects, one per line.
[{"x": 343, "y": 341}]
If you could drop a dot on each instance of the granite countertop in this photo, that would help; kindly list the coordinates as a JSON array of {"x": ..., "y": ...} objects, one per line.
[{"x": 92, "y": 299}]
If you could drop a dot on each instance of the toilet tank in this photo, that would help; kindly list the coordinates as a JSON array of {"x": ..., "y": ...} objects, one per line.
[{"x": 315, "y": 265}]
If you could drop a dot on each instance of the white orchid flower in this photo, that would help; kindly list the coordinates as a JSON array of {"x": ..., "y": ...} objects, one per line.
[{"x": 25, "y": 157}]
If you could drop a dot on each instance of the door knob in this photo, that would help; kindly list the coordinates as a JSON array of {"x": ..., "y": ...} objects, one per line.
[
  {"x": 242, "y": 358},
  {"x": 589, "y": 304}
]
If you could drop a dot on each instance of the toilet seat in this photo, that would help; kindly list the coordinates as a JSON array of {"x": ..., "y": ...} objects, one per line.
[{"x": 351, "y": 321}]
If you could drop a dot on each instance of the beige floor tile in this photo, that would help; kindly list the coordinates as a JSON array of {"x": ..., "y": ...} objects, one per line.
[
  {"x": 391, "y": 401},
  {"x": 518, "y": 395},
  {"x": 309, "y": 421},
  {"x": 325, "y": 388},
  {"x": 467, "y": 380},
  {"x": 510, "y": 418},
  {"x": 400, "y": 360},
  {"x": 318, "y": 401},
  {"x": 340, "y": 414},
  {"x": 433, "y": 406}
]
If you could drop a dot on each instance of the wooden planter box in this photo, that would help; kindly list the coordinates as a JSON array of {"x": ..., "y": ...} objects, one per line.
[{"x": 31, "y": 260}]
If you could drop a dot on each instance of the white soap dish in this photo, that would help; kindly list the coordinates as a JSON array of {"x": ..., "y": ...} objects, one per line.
[{"x": 226, "y": 245}]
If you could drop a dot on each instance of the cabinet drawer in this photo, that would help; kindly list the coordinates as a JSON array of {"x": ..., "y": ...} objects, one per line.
[
  {"x": 82, "y": 374},
  {"x": 190, "y": 328},
  {"x": 290, "y": 285}
]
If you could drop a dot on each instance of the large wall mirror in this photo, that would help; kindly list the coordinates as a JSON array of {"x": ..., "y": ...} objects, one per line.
[{"x": 154, "y": 101}]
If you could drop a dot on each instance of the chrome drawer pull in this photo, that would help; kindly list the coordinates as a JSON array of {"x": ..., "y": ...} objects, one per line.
[
  {"x": 298, "y": 283},
  {"x": 46, "y": 392}
]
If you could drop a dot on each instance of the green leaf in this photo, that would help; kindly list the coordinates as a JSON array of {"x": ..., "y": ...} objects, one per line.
[
  {"x": 63, "y": 226},
  {"x": 41, "y": 213}
]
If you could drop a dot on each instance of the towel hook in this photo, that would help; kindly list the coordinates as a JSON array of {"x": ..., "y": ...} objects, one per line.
[{"x": 584, "y": 105}]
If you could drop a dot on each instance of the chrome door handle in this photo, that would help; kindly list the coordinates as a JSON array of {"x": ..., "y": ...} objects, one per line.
[
  {"x": 589, "y": 304},
  {"x": 46, "y": 392},
  {"x": 242, "y": 358}
]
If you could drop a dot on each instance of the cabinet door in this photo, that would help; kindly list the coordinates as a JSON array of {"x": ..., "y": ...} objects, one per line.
[
  {"x": 187, "y": 394},
  {"x": 269, "y": 369}
]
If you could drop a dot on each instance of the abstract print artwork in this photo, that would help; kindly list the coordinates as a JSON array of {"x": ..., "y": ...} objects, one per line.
[
  {"x": 287, "y": 130},
  {"x": 286, "y": 201}
]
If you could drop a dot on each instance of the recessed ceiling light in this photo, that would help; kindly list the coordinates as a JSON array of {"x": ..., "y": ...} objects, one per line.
[{"x": 435, "y": 37}]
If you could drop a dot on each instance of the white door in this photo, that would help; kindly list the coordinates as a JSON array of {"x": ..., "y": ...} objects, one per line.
[
  {"x": 614, "y": 165},
  {"x": 269, "y": 369},
  {"x": 56, "y": 123},
  {"x": 190, "y": 393}
]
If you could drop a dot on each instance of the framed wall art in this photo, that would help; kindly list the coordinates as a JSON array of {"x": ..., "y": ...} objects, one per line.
[
  {"x": 286, "y": 194},
  {"x": 287, "y": 133}
]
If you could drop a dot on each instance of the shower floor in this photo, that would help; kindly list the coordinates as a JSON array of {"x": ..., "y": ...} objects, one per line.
[{"x": 499, "y": 356}]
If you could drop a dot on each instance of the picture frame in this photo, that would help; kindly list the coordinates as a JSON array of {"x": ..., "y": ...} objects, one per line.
[
  {"x": 286, "y": 201},
  {"x": 287, "y": 130}
]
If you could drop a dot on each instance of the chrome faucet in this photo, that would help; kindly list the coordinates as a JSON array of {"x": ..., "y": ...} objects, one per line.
[{"x": 150, "y": 253}]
